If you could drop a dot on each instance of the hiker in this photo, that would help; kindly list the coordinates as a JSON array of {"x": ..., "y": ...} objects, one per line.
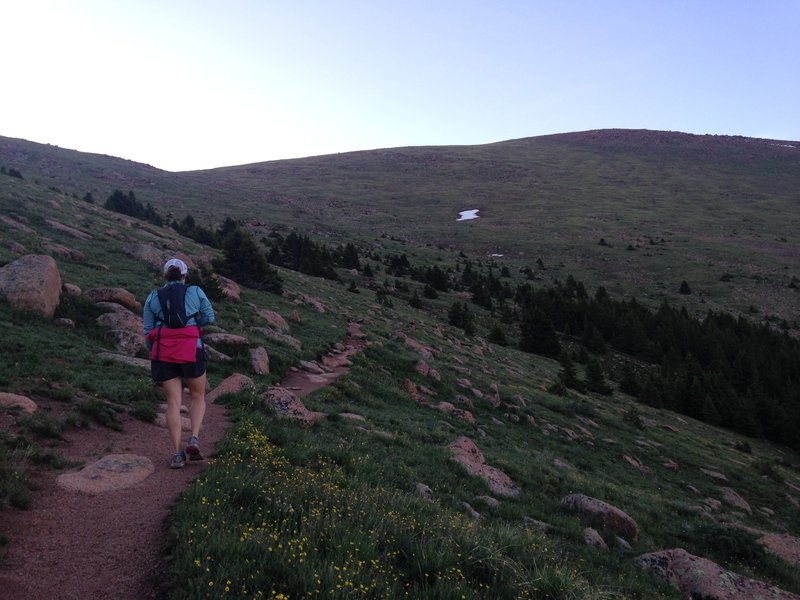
[{"x": 173, "y": 315}]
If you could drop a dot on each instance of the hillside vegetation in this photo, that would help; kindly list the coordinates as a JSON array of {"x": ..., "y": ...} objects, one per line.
[{"x": 368, "y": 502}]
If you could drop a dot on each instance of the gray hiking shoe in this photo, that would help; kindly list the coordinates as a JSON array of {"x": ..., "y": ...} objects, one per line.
[
  {"x": 193, "y": 449},
  {"x": 178, "y": 461}
]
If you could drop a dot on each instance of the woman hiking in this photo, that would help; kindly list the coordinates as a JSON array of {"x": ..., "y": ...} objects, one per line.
[{"x": 173, "y": 315}]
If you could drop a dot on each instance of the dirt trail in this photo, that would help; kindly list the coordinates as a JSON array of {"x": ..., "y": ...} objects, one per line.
[{"x": 72, "y": 546}]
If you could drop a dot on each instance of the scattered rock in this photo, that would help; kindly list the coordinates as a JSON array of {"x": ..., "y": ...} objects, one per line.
[
  {"x": 712, "y": 503},
  {"x": 277, "y": 336},
  {"x": 71, "y": 289},
  {"x": 16, "y": 224},
  {"x": 311, "y": 367},
  {"x": 230, "y": 289},
  {"x": 161, "y": 421},
  {"x": 215, "y": 355},
  {"x": 671, "y": 465},
  {"x": 315, "y": 303},
  {"x": 715, "y": 474},
  {"x": 286, "y": 405},
  {"x": 63, "y": 322},
  {"x": 448, "y": 408},
  {"x": 734, "y": 499},
  {"x": 784, "y": 546},
  {"x": 229, "y": 340},
  {"x": 126, "y": 360},
  {"x": 693, "y": 489},
  {"x": 697, "y": 577},
  {"x": 425, "y": 351},
  {"x": 598, "y": 512},
  {"x": 16, "y": 247},
  {"x": 624, "y": 545},
  {"x": 295, "y": 316},
  {"x": 24, "y": 403},
  {"x": 471, "y": 512},
  {"x": 63, "y": 251},
  {"x": 637, "y": 464},
  {"x": 259, "y": 360},
  {"x": 112, "y": 472},
  {"x": 562, "y": 464},
  {"x": 147, "y": 254},
  {"x": 424, "y": 491},
  {"x": 231, "y": 385},
  {"x": 536, "y": 524},
  {"x": 592, "y": 538},
  {"x": 671, "y": 428},
  {"x": 486, "y": 501},
  {"x": 469, "y": 455},
  {"x": 352, "y": 416},
  {"x": 119, "y": 296},
  {"x": 273, "y": 319},
  {"x": 32, "y": 283},
  {"x": 71, "y": 231}
]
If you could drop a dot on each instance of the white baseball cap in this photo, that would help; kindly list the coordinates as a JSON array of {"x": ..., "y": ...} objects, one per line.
[{"x": 175, "y": 262}]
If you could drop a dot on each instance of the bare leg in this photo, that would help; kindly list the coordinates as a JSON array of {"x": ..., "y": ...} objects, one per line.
[
  {"x": 197, "y": 409},
  {"x": 172, "y": 388}
]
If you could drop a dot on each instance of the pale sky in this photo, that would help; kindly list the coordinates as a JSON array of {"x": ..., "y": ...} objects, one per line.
[{"x": 193, "y": 84}]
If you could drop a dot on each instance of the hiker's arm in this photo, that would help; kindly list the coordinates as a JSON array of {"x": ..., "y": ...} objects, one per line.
[
  {"x": 205, "y": 313},
  {"x": 148, "y": 319}
]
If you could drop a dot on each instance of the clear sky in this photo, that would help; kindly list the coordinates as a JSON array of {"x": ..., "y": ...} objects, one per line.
[{"x": 191, "y": 84}]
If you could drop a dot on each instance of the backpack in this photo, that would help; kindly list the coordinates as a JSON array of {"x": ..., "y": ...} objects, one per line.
[{"x": 172, "y": 298}]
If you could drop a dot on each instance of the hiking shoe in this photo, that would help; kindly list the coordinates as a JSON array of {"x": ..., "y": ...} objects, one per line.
[
  {"x": 193, "y": 449},
  {"x": 178, "y": 461}
]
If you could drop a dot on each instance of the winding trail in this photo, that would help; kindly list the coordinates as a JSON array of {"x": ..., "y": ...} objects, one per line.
[{"x": 74, "y": 546}]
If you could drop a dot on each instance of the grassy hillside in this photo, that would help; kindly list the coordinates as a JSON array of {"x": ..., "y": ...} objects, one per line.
[
  {"x": 334, "y": 510},
  {"x": 719, "y": 212}
]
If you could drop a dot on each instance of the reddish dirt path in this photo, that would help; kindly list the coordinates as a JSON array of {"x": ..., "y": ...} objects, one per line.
[{"x": 72, "y": 546}]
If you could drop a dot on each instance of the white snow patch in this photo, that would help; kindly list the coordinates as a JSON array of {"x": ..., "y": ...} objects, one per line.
[{"x": 467, "y": 215}]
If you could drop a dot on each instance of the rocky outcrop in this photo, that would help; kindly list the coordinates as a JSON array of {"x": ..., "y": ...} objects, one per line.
[
  {"x": 783, "y": 545},
  {"x": 124, "y": 328},
  {"x": 447, "y": 407},
  {"x": 592, "y": 538},
  {"x": 116, "y": 295},
  {"x": 124, "y": 359},
  {"x": 226, "y": 340},
  {"x": 286, "y": 405},
  {"x": 597, "y": 512},
  {"x": 277, "y": 336},
  {"x": 230, "y": 289},
  {"x": 32, "y": 283},
  {"x": 16, "y": 401},
  {"x": 697, "y": 577},
  {"x": 71, "y": 231},
  {"x": 231, "y": 385},
  {"x": 466, "y": 453},
  {"x": 259, "y": 360},
  {"x": 63, "y": 251},
  {"x": 315, "y": 303},
  {"x": 147, "y": 254},
  {"x": 273, "y": 319},
  {"x": 730, "y": 496},
  {"x": 112, "y": 472}
]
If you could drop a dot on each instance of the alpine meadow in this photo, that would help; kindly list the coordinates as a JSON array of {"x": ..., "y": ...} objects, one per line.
[{"x": 591, "y": 389}]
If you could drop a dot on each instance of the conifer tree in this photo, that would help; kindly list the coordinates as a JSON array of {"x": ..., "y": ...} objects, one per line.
[{"x": 595, "y": 380}]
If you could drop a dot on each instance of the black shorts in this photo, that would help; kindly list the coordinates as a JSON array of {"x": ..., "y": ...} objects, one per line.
[{"x": 164, "y": 371}]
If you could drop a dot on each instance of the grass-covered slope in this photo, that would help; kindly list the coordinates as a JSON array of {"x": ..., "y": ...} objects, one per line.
[
  {"x": 718, "y": 212},
  {"x": 334, "y": 510}
]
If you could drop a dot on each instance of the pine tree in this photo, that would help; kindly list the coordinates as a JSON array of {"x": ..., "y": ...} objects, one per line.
[
  {"x": 567, "y": 375},
  {"x": 537, "y": 334},
  {"x": 595, "y": 380}
]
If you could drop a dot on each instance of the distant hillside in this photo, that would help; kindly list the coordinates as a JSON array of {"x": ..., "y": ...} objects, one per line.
[{"x": 719, "y": 212}]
